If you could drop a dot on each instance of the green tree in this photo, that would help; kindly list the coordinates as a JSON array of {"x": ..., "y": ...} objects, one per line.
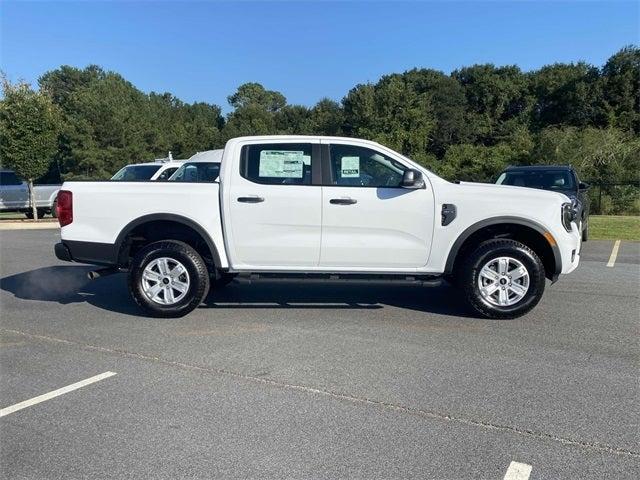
[
  {"x": 621, "y": 84},
  {"x": 257, "y": 112},
  {"x": 326, "y": 118},
  {"x": 255, "y": 94},
  {"x": 391, "y": 112},
  {"x": 29, "y": 127},
  {"x": 568, "y": 94},
  {"x": 498, "y": 100}
]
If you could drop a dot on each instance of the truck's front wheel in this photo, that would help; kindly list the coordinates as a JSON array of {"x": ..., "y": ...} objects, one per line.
[
  {"x": 503, "y": 278},
  {"x": 168, "y": 278}
]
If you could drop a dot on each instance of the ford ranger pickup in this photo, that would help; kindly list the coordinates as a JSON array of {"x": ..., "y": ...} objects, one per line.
[{"x": 328, "y": 207}]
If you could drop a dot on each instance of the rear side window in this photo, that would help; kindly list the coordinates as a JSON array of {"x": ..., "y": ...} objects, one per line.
[
  {"x": 9, "y": 178},
  {"x": 277, "y": 163}
]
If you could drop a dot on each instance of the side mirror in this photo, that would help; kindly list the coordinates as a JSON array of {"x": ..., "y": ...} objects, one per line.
[
  {"x": 412, "y": 179},
  {"x": 583, "y": 186}
]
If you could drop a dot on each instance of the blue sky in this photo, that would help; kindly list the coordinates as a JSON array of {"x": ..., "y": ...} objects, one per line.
[{"x": 202, "y": 51}]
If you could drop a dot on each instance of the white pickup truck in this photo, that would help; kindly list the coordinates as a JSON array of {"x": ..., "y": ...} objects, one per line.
[{"x": 299, "y": 206}]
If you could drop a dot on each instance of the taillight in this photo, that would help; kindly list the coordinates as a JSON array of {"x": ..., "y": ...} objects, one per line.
[{"x": 64, "y": 207}]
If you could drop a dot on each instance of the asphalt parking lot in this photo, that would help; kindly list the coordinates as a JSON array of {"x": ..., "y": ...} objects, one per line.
[{"x": 340, "y": 380}]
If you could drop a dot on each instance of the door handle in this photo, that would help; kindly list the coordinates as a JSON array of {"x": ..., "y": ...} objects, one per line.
[
  {"x": 251, "y": 199},
  {"x": 343, "y": 201}
]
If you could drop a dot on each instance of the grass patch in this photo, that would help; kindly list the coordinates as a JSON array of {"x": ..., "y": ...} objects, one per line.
[{"x": 610, "y": 227}]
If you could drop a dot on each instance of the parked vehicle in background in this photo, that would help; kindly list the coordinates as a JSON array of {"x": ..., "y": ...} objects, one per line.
[
  {"x": 160, "y": 169},
  {"x": 14, "y": 195},
  {"x": 556, "y": 178},
  {"x": 324, "y": 207},
  {"x": 201, "y": 167}
]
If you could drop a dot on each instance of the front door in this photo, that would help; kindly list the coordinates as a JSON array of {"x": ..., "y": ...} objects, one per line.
[
  {"x": 275, "y": 211},
  {"x": 370, "y": 222}
]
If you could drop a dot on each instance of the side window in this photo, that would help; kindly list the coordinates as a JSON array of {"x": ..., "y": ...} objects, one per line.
[
  {"x": 9, "y": 178},
  {"x": 353, "y": 166},
  {"x": 167, "y": 173},
  {"x": 277, "y": 163}
]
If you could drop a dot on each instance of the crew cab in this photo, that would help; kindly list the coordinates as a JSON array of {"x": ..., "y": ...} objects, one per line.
[{"x": 306, "y": 206}]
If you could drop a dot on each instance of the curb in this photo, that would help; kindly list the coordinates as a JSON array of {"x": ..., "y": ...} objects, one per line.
[{"x": 28, "y": 225}]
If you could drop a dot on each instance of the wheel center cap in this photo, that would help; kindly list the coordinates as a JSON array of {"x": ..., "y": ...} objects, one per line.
[
  {"x": 165, "y": 280},
  {"x": 503, "y": 281}
]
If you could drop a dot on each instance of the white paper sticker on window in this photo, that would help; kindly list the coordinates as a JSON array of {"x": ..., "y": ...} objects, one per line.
[
  {"x": 350, "y": 167},
  {"x": 306, "y": 159},
  {"x": 281, "y": 164}
]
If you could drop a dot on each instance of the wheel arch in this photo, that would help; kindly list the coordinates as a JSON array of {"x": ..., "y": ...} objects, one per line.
[
  {"x": 182, "y": 225},
  {"x": 527, "y": 231}
]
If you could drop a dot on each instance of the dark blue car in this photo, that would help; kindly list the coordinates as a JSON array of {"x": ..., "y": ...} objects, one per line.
[{"x": 557, "y": 178}]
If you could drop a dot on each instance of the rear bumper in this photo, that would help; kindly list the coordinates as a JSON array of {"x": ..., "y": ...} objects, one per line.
[
  {"x": 62, "y": 252},
  {"x": 87, "y": 252}
]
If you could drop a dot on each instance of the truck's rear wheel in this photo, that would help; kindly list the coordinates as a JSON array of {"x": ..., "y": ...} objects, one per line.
[
  {"x": 168, "y": 279},
  {"x": 503, "y": 278}
]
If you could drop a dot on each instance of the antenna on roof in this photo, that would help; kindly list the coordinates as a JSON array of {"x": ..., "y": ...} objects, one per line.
[{"x": 170, "y": 156}]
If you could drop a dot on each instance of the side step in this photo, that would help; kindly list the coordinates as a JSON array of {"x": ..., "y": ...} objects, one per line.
[{"x": 426, "y": 280}]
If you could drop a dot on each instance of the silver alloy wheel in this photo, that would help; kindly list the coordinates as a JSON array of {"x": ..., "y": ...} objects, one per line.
[
  {"x": 503, "y": 281},
  {"x": 165, "y": 281}
]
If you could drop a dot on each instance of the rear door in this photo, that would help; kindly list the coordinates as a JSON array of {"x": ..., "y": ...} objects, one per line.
[
  {"x": 371, "y": 223},
  {"x": 274, "y": 206}
]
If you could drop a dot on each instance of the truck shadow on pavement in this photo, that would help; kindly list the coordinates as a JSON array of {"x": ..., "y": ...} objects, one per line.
[{"x": 69, "y": 284}]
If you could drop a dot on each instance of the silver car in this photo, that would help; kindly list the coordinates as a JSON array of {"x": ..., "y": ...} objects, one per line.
[{"x": 14, "y": 195}]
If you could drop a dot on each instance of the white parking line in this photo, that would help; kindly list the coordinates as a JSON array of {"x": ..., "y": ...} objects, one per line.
[
  {"x": 518, "y": 471},
  {"x": 55, "y": 393},
  {"x": 614, "y": 254}
]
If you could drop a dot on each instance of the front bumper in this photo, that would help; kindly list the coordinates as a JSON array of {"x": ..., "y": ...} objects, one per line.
[{"x": 570, "y": 246}]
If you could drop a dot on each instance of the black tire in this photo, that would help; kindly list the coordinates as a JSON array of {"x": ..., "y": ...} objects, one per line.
[
  {"x": 29, "y": 214},
  {"x": 223, "y": 279},
  {"x": 193, "y": 263},
  {"x": 585, "y": 231},
  {"x": 491, "y": 249},
  {"x": 54, "y": 209}
]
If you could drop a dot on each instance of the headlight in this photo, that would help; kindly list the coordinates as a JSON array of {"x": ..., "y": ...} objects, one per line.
[{"x": 568, "y": 215}]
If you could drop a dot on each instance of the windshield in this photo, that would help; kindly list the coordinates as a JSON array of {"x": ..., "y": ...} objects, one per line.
[
  {"x": 542, "y": 179},
  {"x": 196, "y": 172},
  {"x": 132, "y": 173}
]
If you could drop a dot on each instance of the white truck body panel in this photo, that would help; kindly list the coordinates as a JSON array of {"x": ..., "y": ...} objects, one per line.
[
  {"x": 296, "y": 229},
  {"x": 101, "y": 210}
]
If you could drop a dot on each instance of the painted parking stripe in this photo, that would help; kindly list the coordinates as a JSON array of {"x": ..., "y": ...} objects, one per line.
[
  {"x": 518, "y": 471},
  {"x": 55, "y": 393},
  {"x": 614, "y": 254}
]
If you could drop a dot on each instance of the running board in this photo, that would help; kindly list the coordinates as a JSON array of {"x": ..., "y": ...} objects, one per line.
[{"x": 427, "y": 280}]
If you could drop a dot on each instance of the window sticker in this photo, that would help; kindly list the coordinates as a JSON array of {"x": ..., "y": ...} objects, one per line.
[
  {"x": 281, "y": 164},
  {"x": 350, "y": 167},
  {"x": 306, "y": 159}
]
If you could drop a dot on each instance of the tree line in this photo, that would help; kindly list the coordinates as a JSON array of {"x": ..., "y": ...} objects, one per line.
[{"x": 467, "y": 125}]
